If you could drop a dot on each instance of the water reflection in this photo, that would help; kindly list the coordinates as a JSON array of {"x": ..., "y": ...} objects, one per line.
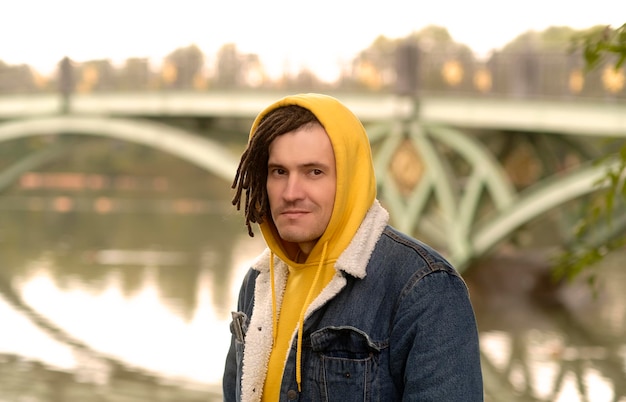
[
  {"x": 87, "y": 248},
  {"x": 95, "y": 303},
  {"x": 563, "y": 344},
  {"x": 90, "y": 294}
]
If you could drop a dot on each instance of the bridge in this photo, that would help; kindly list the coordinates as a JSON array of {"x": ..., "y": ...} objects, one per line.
[{"x": 445, "y": 165}]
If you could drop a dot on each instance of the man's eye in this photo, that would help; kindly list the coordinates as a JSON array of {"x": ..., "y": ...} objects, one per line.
[{"x": 317, "y": 172}]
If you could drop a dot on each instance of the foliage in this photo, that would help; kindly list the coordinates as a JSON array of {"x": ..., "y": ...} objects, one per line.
[
  {"x": 589, "y": 247},
  {"x": 551, "y": 39},
  {"x": 183, "y": 66},
  {"x": 597, "y": 45},
  {"x": 14, "y": 79},
  {"x": 602, "y": 42}
]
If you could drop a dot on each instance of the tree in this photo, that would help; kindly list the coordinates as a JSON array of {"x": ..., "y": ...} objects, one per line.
[
  {"x": 374, "y": 67},
  {"x": 134, "y": 75},
  {"x": 183, "y": 66},
  {"x": 426, "y": 51},
  {"x": 95, "y": 75},
  {"x": 536, "y": 63},
  {"x": 598, "y": 45},
  {"x": 16, "y": 79},
  {"x": 229, "y": 69}
]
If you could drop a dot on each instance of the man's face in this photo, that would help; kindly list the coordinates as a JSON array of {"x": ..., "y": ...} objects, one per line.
[{"x": 301, "y": 184}]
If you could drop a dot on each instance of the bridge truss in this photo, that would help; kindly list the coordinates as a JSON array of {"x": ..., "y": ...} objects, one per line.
[{"x": 468, "y": 193}]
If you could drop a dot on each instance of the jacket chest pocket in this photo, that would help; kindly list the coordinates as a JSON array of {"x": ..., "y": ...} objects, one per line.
[{"x": 347, "y": 365}]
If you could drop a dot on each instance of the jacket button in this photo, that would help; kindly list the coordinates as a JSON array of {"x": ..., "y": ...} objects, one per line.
[{"x": 292, "y": 394}]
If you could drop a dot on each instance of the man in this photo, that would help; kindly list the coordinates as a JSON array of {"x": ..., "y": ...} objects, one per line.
[{"x": 340, "y": 306}]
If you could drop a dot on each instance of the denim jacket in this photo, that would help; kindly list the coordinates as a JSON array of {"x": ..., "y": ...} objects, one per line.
[{"x": 397, "y": 326}]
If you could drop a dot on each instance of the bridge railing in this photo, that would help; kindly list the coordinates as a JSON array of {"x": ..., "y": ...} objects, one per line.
[
  {"x": 521, "y": 74},
  {"x": 530, "y": 74}
]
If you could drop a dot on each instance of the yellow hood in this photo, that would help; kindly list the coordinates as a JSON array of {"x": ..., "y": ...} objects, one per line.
[
  {"x": 356, "y": 183},
  {"x": 355, "y": 194}
]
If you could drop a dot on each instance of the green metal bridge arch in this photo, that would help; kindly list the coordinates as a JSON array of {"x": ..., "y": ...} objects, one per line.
[{"x": 201, "y": 151}]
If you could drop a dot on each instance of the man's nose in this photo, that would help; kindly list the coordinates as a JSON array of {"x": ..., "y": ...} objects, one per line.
[{"x": 293, "y": 189}]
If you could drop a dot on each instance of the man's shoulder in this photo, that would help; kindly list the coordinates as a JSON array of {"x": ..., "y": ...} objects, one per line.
[{"x": 398, "y": 248}]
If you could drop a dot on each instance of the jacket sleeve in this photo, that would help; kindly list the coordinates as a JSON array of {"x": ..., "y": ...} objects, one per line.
[
  {"x": 435, "y": 353},
  {"x": 231, "y": 381}
]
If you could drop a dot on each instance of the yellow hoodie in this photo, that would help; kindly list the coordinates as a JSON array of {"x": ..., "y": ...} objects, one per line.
[{"x": 355, "y": 194}]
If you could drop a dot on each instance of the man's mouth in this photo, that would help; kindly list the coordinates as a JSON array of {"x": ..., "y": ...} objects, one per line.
[{"x": 293, "y": 213}]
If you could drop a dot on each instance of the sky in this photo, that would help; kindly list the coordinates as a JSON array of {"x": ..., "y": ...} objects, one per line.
[{"x": 286, "y": 34}]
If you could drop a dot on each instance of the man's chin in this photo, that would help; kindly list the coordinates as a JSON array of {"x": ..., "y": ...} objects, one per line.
[{"x": 293, "y": 235}]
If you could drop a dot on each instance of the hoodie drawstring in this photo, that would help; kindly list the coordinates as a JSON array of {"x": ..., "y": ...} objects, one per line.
[
  {"x": 274, "y": 314},
  {"x": 307, "y": 301}
]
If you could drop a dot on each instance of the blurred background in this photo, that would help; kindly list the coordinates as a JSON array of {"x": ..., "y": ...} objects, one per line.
[{"x": 496, "y": 135}]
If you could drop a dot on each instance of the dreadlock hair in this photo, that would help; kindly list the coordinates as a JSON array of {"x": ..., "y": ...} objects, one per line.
[{"x": 252, "y": 170}]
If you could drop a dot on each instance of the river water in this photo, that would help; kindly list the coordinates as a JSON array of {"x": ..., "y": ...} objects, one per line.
[{"x": 107, "y": 296}]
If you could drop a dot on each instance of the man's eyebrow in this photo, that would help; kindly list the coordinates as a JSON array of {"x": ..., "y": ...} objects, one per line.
[
  {"x": 314, "y": 165},
  {"x": 321, "y": 165}
]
